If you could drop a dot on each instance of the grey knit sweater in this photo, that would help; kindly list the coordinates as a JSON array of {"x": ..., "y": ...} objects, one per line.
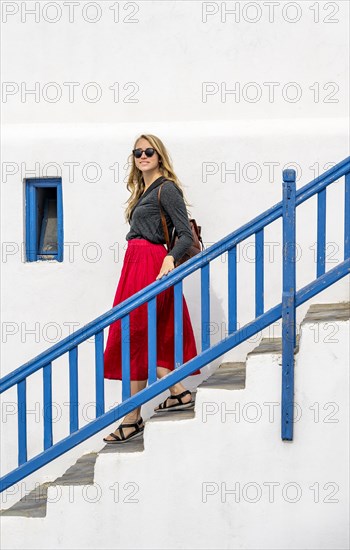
[{"x": 146, "y": 222}]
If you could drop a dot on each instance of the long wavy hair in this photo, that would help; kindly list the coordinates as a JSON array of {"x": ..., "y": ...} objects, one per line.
[{"x": 135, "y": 183}]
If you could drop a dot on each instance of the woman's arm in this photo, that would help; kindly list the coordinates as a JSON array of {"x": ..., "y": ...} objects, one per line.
[{"x": 174, "y": 205}]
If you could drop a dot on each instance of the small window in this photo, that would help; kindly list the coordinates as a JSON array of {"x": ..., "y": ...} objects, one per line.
[{"x": 44, "y": 219}]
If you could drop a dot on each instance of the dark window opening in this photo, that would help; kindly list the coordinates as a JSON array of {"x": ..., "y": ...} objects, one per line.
[{"x": 47, "y": 220}]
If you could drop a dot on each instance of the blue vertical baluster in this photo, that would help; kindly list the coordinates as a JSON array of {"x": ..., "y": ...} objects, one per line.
[
  {"x": 347, "y": 217},
  {"x": 178, "y": 320},
  {"x": 205, "y": 306},
  {"x": 259, "y": 272},
  {"x": 47, "y": 382},
  {"x": 232, "y": 290},
  {"x": 321, "y": 233},
  {"x": 73, "y": 390},
  {"x": 99, "y": 365},
  {"x": 22, "y": 421},
  {"x": 152, "y": 340},
  {"x": 288, "y": 304},
  {"x": 125, "y": 333}
]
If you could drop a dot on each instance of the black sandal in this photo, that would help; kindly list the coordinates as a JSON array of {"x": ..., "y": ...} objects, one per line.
[
  {"x": 178, "y": 407},
  {"x": 138, "y": 431}
]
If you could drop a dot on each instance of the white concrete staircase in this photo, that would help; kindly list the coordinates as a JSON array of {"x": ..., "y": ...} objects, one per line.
[{"x": 218, "y": 476}]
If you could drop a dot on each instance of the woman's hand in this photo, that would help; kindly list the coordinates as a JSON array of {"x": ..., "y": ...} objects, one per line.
[{"x": 167, "y": 266}]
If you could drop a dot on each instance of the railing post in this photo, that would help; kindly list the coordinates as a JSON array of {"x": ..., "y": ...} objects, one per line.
[
  {"x": 152, "y": 334},
  {"x": 125, "y": 334},
  {"x": 288, "y": 305},
  {"x": 178, "y": 324},
  {"x": 259, "y": 272},
  {"x": 347, "y": 217},
  {"x": 205, "y": 306}
]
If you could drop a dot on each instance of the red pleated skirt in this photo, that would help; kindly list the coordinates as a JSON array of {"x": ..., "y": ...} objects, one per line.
[{"x": 142, "y": 263}]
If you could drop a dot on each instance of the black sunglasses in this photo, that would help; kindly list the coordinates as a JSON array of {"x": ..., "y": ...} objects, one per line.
[{"x": 138, "y": 152}]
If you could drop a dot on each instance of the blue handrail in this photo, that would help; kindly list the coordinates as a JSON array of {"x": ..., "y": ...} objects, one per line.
[{"x": 290, "y": 300}]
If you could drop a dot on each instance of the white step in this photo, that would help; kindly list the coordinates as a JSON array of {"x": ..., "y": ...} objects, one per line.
[{"x": 175, "y": 488}]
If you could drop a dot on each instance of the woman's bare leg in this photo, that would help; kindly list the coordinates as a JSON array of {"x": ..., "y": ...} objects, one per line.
[
  {"x": 134, "y": 415},
  {"x": 176, "y": 389}
]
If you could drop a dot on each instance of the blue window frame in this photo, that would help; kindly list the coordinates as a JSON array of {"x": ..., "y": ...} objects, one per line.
[{"x": 44, "y": 219}]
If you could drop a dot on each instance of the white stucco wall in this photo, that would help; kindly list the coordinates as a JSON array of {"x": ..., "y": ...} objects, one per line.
[
  {"x": 160, "y": 58},
  {"x": 168, "y": 49}
]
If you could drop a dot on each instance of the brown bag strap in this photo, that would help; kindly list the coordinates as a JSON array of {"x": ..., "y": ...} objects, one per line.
[{"x": 165, "y": 227}]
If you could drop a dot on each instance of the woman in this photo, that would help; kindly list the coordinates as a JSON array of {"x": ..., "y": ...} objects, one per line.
[{"x": 145, "y": 261}]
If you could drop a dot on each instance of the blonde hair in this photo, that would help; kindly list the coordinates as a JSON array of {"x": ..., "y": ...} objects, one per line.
[{"x": 135, "y": 183}]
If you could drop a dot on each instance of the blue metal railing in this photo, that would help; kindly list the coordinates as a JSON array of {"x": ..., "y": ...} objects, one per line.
[{"x": 285, "y": 310}]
